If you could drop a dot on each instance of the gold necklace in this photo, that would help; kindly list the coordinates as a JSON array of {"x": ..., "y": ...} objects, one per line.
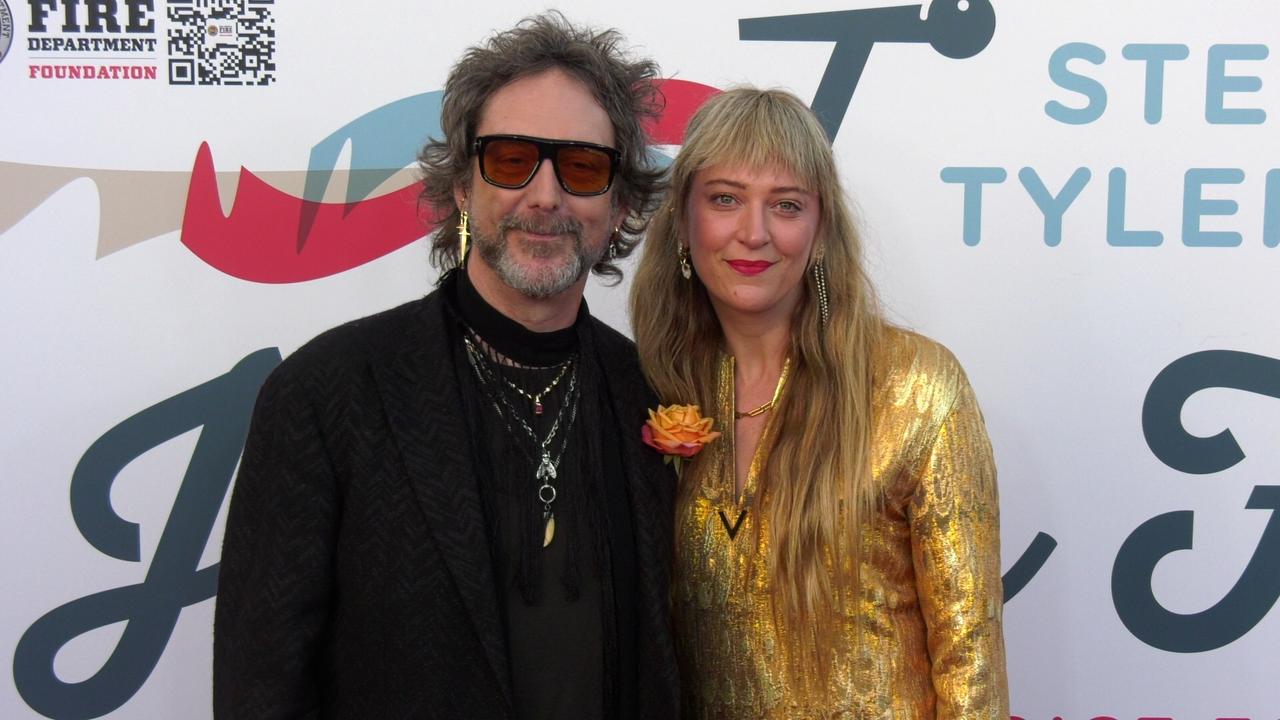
[
  {"x": 536, "y": 398},
  {"x": 728, "y": 463},
  {"x": 777, "y": 391}
]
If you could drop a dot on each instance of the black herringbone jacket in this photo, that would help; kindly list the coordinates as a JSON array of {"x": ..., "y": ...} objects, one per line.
[{"x": 355, "y": 578}]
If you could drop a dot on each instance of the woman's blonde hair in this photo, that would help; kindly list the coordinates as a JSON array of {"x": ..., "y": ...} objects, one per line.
[{"x": 816, "y": 488}]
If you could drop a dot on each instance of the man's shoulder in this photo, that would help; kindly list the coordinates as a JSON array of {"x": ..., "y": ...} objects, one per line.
[
  {"x": 616, "y": 350},
  {"x": 362, "y": 342},
  {"x": 621, "y": 364},
  {"x": 609, "y": 337}
]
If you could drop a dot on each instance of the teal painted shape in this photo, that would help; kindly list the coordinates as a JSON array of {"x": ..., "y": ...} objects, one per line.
[{"x": 383, "y": 142}]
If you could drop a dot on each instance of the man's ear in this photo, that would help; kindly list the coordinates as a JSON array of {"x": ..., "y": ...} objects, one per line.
[
  {"x": 619, "y": 214},
  {"x": 460, "y": 196}
]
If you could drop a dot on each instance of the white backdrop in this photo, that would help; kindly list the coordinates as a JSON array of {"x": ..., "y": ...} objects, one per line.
[{"x": 123, "y": 290}]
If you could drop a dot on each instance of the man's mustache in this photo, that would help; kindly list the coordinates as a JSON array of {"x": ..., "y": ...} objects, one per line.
[{"x": 554, "y": 225}]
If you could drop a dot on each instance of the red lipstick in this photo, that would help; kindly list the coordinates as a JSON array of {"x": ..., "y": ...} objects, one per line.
[{"x": 750, "y": 267}]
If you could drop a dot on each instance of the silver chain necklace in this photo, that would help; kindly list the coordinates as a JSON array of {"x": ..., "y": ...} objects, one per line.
[{"x": 547, "y": 466}]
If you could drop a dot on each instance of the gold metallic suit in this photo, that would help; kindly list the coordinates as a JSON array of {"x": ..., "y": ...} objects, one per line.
[{"x": 922, "y": 638}]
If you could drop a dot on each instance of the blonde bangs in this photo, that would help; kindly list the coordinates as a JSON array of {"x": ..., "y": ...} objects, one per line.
[{"x": 757, "y": 131}]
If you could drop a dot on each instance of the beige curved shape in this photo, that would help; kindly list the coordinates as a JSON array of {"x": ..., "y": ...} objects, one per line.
[
  {"x": 134, "y": 205},
  {"x": 137, "y": 205}
]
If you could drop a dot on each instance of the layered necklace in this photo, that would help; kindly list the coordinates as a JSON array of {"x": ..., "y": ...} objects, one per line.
[
  {"x": 726, "y": 400},
  {"x": 542, "y": 453}
]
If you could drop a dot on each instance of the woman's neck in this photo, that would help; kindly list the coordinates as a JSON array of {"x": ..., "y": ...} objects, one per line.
[{"x": 759, "y": 346}]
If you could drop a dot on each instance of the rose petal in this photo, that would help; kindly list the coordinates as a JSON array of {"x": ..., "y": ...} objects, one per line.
[
  {"x": 647, "y": 436},
  {"x": 686, "y": 450}
]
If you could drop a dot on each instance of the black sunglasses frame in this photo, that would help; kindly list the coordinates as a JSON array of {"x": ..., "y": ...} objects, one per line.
[{"x": 547, "y": 149}]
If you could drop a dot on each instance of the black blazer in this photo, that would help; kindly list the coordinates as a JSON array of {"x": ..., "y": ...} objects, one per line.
[{"x": 355, "y": 579}]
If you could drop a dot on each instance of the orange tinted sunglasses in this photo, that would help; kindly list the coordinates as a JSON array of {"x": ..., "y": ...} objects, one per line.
[{"x": 511, "y": 161}]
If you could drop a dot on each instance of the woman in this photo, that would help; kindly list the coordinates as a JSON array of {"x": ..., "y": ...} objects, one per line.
[{"x": 838, "y": 547}]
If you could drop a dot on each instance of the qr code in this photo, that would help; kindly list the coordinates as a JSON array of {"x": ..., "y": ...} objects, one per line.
[{"x": 221, "y": 42}]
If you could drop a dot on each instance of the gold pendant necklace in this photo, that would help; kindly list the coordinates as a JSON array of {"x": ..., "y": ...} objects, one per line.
[
  {"x": 777, "y": 391},
  {"x": 536, "y": 398}
]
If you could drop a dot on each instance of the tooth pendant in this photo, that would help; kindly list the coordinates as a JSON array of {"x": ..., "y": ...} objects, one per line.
[
  {"x": 547, "y": 495},
  {"x": 548, "y": 528}
]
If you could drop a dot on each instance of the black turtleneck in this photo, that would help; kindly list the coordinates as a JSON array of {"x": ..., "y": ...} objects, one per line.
[
  {"x": 508, "y": 337},
  {"x": 569, "y": 607}
]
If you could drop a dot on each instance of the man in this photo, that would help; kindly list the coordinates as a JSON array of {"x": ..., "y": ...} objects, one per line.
[{"x": 445, "y": 510}]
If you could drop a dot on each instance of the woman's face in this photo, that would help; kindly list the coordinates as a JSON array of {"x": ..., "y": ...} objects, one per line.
[{"x": 751, "y": 233}]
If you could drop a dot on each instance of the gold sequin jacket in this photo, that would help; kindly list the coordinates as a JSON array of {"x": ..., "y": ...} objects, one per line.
[{"x": 922, "y": 638}]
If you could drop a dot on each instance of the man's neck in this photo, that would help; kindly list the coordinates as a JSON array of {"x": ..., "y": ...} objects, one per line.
[{"x": 539, "y": 315}]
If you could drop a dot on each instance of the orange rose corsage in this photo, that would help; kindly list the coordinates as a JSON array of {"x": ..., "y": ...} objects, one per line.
[{"x": 677, "y": 431}]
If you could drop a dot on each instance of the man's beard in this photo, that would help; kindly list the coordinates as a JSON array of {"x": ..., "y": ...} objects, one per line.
[{"x": 546, "y": 281}]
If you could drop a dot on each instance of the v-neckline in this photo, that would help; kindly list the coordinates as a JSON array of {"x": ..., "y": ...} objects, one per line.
[{"x": 726, "y": 396}]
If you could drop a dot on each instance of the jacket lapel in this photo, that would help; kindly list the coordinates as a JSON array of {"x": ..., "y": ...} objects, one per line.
[{"x": 424, "y": 407}]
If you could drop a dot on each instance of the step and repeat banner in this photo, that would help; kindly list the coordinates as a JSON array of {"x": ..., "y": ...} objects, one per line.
[{"x": 1081, "y": 198}]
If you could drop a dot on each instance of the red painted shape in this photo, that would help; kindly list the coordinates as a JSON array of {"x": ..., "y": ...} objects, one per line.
[
  {"x": 258, "y": 242},
  {"x": 274, "y": 237},
  {"x": 683, "y": 99}
]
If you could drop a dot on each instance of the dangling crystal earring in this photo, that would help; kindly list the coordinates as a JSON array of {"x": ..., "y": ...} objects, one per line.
[
  {"x": 685, "y": 271},
  {"x": 820, "y": 280},
  {"x": 464, "y": 235},
  {"x": 613, "y": 245}
]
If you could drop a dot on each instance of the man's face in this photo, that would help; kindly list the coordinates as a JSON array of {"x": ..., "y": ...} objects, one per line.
[{"x": 539, "y": 239}]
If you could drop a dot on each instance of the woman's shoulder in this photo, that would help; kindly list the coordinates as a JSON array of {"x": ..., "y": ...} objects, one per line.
[{"x": 918, "y": 372}]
